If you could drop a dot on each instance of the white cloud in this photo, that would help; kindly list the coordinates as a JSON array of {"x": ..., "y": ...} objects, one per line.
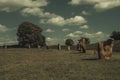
[
  {"x": 60, "y": 21},
  {"x": 37, "y": 12},
  {"x": 32, "y": 11},
  {"x": 75, "y": 2},
  {"x": 8, "y": 42},
  {"x": 3, "y": 28},
  {"x": 75, "y": 34},
  {"x": 49, "y": 30},
  {"x": 99, "y": 33},
  {"x": 94, "y": 37},
  {"x": 28, "y": 7},
  {"x": 51, "y": 41},
  {"x": 78, "y": 2},
  {"x": 71, "y": 35},
  {"x": 7, "y": 39},
  {"x": 51, "y": 18},
  {"x": 78, "y": 33},
  {"x": 77, "y": 20},
  {"x": 65, "y": 30},
  {"x": 84, "y": 27},
  {"x": 85, "y": 13},
  {"x": 56, "y": 21},
  {"x": 99, "y": 5},
  {"x": 108, "y": 4},
  {"x": 11, "y": 5}
]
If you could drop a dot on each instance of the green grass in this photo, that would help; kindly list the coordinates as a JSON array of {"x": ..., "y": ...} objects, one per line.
[{"x": 37, "y": 64}]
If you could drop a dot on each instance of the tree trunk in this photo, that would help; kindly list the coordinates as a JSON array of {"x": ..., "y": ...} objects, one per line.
[
  {"x": 5, "y": 46},
  {"x": 38, "y": 46},
  {"x": 29, "y": 46},
  {"x": 59, "y": 47},
  {"x": 69, "y": 48}
]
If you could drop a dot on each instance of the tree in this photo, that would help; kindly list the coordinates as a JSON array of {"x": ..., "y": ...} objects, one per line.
[
  {"x": 115, "y": 35},
  {"x": 29, "y": 35},
  {"x": 81, "y": 46},
  {"x": 69, "y": 43}
]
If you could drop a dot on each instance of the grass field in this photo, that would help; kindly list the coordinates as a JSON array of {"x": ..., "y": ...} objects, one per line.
[{"x": 37, "y": 64}]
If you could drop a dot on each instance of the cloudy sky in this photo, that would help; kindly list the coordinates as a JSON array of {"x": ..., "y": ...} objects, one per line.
[{"x": 60, "y": 19}]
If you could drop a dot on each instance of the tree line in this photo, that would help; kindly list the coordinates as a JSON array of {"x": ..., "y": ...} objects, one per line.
[{"x": 30, "y": 35}]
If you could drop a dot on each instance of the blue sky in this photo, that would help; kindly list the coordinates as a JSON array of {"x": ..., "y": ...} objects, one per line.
[{"x": 60, "y": 19}]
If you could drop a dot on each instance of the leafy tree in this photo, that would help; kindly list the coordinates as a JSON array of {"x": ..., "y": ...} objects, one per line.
[
  {"x": 115, "y": 35},
  {"x": 69, "y": 43},
  {"x": 29, "y": 34}
]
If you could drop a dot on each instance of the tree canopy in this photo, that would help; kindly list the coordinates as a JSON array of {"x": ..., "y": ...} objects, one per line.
[
  {"x": 115, "y": 35},
  {"x": 69, "y": 42},
  {"x": 30, "y": 34}
]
